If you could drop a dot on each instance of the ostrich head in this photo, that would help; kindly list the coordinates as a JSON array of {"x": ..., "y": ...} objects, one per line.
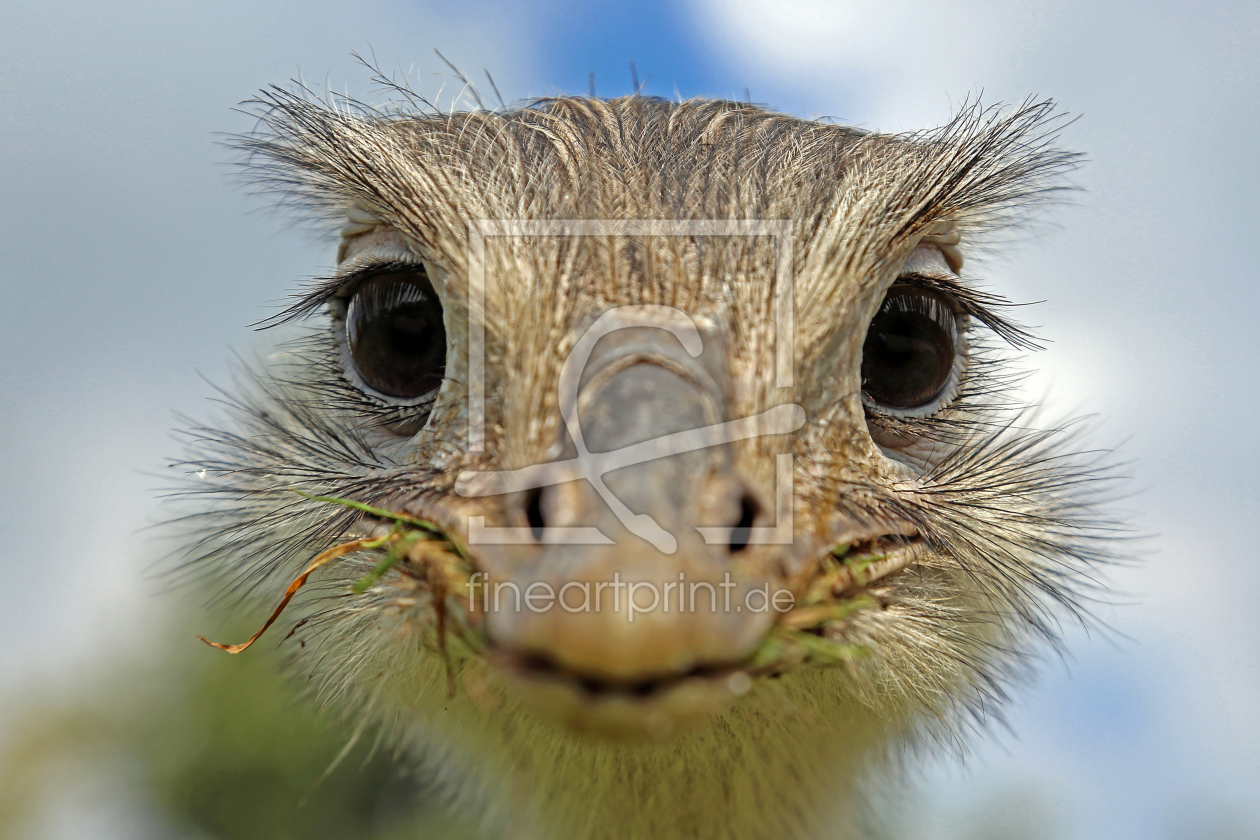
[{"x": 669, "y": 475}]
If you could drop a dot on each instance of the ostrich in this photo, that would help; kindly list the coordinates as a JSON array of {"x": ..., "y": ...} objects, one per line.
[{"x": 719, "y": 367}]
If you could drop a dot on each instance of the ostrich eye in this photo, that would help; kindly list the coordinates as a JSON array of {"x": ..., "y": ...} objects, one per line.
[
  {"x": 908, "y": 354},
  {"x": 395, "y": 335}
]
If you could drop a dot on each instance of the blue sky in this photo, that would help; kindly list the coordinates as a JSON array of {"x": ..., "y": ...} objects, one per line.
[{"x": 131, "y": 262}]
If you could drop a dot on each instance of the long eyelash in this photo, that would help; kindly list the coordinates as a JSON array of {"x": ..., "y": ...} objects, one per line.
[
  {"x": 981, "y": 306},
  {"x": 374, "y": 300},
  {"x": 990, "y": 378},
  {"x": 930, "y": 306},
  {"x": 319, "y": 291}
]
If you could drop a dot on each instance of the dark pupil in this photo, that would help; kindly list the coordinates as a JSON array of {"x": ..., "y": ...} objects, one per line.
[
  {"x": 397, "y": 338},
  {"x": 909, "y": 350},
  {"x": 409, "y": 333}
]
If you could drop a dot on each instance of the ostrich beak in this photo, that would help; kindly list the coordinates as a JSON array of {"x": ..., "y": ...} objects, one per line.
[{"x": 640, "y": 592}]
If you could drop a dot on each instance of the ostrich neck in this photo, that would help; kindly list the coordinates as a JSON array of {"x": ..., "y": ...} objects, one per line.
[{"x": 783, "y": 764}]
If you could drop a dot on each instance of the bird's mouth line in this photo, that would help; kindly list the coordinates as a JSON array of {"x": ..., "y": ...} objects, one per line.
[
  {"x": 542, "y": 669},
  {"x": 811, "y": 633}
]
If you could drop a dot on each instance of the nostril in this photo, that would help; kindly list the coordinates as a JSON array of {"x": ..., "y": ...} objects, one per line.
[
  {"x": 533, "y": 512},
  {"x": 748, "y": 510}
]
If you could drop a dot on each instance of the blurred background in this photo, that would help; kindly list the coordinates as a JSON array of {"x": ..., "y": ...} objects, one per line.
[{"x": 132, "y": 266}]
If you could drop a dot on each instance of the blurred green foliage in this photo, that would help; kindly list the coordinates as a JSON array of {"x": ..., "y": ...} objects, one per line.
[
  {"x": 206, "y": 745},
  {"x": 183, "y": 742}
]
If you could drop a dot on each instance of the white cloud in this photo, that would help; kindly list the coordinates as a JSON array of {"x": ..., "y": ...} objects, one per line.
[{"x": 903, "y": 59}]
